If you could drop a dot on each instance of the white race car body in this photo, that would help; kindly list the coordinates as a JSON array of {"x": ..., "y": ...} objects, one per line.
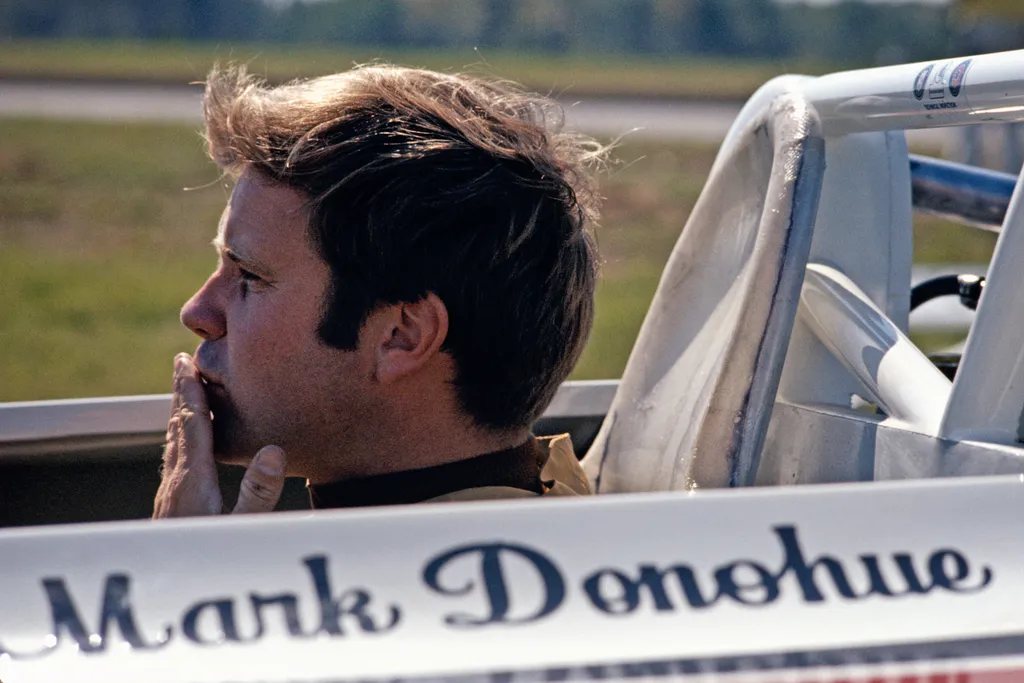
[{"x": 785, "y": 300}]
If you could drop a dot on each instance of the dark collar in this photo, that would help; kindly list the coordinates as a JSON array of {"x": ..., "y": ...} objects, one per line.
[{"x": 517, "y": 467}]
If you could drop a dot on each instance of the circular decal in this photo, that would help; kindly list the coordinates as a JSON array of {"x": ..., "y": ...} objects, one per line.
[
  {"x": 921, "y": 82},
  {"x": 956, "y": 79}
]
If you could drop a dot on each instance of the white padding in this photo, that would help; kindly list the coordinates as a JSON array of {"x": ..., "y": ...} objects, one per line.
[{"x": 693, "y": 405}]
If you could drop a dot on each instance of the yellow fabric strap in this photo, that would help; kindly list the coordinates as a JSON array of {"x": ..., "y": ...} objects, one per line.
[{"x": 561, "y": 474}]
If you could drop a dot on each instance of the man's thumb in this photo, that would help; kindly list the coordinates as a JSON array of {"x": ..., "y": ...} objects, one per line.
[{"x": 263, "y": 482}]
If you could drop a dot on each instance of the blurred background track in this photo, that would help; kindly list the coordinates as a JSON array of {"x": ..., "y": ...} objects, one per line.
[
  {"x": 607, "y": 116},
  {"x": 100, "y": 242}
]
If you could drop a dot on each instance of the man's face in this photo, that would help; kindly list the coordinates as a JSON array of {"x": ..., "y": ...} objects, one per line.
[{"x": 269, "y": 378}]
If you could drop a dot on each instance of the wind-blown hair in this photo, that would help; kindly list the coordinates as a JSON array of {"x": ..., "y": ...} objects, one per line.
[{"x": 424, "y": 182}]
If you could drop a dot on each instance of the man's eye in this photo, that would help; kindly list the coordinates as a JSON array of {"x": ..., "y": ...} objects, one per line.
[{"x": 248, "y": 280}]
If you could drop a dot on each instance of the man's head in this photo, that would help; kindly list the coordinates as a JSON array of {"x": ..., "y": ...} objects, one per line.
[{"x": 419, "y": 235}]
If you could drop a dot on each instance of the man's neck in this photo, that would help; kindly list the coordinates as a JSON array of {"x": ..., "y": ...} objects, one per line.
[
  {"x": 412, "y": 446},
  {"x": 518, "y": 468}
]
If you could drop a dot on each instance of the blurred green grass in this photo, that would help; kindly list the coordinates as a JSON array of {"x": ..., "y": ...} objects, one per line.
[
  {"x": 182, "y": 62},
  {"x": 100, "y": 244}
]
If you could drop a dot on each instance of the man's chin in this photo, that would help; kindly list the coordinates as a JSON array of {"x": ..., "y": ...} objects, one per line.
[
  {"x": 229, "y": 449},
  {"x": 230, "y": 443},
  {"x": 233, "y": 451},
  {"x": 232, "y": 458}
]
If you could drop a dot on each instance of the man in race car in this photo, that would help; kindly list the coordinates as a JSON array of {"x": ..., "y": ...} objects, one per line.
[{"x": 406, "y": 275}]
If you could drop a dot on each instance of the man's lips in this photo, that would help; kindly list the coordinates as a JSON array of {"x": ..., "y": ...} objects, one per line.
[
  {"x": 205, "y": 361},
  {"x": 208, "y": 377},
  {"x": 214, "y": 390},
  {"x": 208, "y": 382}
]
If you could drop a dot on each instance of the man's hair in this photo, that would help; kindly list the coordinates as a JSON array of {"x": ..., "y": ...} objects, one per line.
[{"x": 424, "y": 182}]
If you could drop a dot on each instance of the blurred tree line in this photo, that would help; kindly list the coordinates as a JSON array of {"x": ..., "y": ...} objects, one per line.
[{"x": 846, "y": 31}]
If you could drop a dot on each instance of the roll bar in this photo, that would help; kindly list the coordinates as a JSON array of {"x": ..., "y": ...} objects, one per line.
[{"x": 965, "y": 194}]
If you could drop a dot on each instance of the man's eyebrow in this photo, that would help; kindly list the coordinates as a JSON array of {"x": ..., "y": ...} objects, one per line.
[{"x": 240, "y": 259}]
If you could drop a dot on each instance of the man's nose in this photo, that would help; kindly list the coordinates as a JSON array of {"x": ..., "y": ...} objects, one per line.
[{"x": 203, "y": 314}]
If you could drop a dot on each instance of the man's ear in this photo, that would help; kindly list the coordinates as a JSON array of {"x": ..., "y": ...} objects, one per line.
[{"x": 413, "y": 335}]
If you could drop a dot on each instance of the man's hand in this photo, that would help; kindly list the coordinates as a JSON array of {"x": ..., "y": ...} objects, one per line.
[{"x": 188, "y": 484}]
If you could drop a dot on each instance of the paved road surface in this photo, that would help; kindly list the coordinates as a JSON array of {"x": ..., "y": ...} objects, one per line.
[{"x": 606, "y": 117}]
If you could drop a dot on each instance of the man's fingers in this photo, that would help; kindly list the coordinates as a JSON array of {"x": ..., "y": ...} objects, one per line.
[
  {"x": 195, "y": 428},
  {"x": 195, "y": 439},
  {"x": 188, "y": 480},
  {"x": 171, "y": 443},
  {"x": 174, "y": 422},
  {"x": 263, "y": 482},
  {"x": 188, "y": 388},
  {"x": 176, "y": 398}
]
